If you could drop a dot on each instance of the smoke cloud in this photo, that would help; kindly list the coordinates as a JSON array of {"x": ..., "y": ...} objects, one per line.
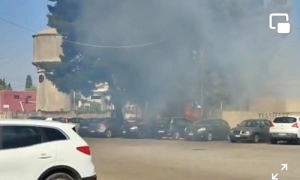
[{"x": 241, "y": 55}]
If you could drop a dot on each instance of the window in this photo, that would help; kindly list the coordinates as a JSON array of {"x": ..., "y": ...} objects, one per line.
[
  {"x": 28, "y": 97},
  {"x": 224, "y": 123},
  {"x": 285, "y": 120},
  {"x": 41, "y": 78},
  {"x": 16, "y": 97},
  {"x": 54, "y": 134},
  {"x": 20, "y": 136}
]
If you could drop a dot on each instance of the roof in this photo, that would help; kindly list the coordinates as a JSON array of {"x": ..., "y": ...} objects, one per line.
[
  {"x": 34, "y": 122},
  {"x": 50, "y": 31}
]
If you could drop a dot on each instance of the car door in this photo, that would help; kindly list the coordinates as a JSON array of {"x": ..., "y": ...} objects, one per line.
[
  {"x": 225, "y": 129},
  {"x": 266, "y": 129},
  {"x": 23, "y": 153},
  {"x": 216, "y": 128}
]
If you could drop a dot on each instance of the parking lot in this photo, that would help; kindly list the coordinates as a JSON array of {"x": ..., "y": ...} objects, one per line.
[{"x": 132, "y": 159}]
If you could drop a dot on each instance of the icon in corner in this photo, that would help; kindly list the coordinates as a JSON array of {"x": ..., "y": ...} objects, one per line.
[
  {"x": 274, "y": 176},
  {"x": 282, "y": 28}
]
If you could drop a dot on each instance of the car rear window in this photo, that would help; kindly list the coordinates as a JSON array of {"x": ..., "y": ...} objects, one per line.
[
  {"x": 285, "y": 120},
  {"x": 54, "y": 134},
  {"x": 96, "y": 120}
]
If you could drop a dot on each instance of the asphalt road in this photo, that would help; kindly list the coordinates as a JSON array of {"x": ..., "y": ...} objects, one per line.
[{"x": 129, "y": 159}]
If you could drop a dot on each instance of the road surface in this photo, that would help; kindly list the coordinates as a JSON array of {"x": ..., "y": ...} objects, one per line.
[{"x": 130, "y": 159}]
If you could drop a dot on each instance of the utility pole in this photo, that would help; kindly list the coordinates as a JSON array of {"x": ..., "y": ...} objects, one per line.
[{"x": 202, "y": 73}]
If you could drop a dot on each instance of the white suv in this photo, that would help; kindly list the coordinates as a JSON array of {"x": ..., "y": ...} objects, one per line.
[
  {"x": 43, "y": 150},
  {"x": 285, "y": 128}
]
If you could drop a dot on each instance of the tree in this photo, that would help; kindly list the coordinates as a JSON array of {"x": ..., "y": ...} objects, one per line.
[
  {"x": 156, "y": 73},
  {"x": 28, "y": 84},
  {"x": 4, "y": 85}
]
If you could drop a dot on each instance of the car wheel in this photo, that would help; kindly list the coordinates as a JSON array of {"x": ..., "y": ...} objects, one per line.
[
  {"x": 232, "y": 141},
  {"x": 273, "y": 141},
  {"x": 108, "y": 133},
  {"x": 141, "y": 134},
  {"x": 256, "y": 138},
  {"x": 60, "y": 176},
  {"x": 158, "y": 137},
  {"x": 209, "y": 137},
  {"x": 176, "y": 136}
]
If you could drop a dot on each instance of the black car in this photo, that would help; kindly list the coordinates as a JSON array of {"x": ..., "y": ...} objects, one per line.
[
  {"x": 139, "y": 129},
  {"x": 37, "y": 118},
  {"x": 254, "y": 130},
  {"x": 106, "y": 127},
  {"x": 171, "y": 127},
  {"x": 83, "y": 129},
  {"x": 208, "y": 129}
]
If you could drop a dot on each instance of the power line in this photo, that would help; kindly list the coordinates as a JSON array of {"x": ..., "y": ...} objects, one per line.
[{"x": 86, "y": 44}]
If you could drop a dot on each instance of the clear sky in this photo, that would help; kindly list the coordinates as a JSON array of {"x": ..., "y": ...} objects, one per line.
[{"x": 16, "y": 44}]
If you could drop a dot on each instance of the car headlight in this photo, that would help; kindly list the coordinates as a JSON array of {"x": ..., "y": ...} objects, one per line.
[
  {"x": 246, "y": 132},
  {"x": 134, "y": 127},
  {"x": 201, "y": 129}
]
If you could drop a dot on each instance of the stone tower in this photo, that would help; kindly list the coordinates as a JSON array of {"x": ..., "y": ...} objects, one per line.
[{"x": 47, "y": 49}]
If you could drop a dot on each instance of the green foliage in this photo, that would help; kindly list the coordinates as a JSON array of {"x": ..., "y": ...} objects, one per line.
[
  {"x": 32, "y": 88},
  {"x": 94, "y": 107},
  {"x": 28, "y": 83},
  {"x": 4, "y": 85}
]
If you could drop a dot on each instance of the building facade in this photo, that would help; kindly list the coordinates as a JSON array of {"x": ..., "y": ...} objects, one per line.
[{"x": 17, "y": 101}]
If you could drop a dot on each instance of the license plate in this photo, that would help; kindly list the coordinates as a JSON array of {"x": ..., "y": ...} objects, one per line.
[
  {"x": 92, "y": 131},
  {"x": 161, "y": 131},
  {"x": 237, "y": 135},
  {"x": 191, "y": 134},
  {"x": 124, "y": 132},
  {"x": 281, "y": 134}
]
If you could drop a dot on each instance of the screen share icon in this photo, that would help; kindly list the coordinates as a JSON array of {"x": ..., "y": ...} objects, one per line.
[{"x": 282, "y": 28}]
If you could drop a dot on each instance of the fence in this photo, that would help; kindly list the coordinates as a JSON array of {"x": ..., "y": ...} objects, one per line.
[{"x": 25, "y": 115}]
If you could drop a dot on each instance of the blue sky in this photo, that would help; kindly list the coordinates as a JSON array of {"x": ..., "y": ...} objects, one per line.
[{"x": 16, "y": 45}]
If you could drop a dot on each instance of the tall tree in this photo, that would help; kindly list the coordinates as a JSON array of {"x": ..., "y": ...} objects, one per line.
[
  {"x": 28, "y": 83},
  {"x": 4, "y": 85}
]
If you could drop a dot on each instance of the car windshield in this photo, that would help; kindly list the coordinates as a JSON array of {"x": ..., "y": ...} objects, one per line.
[
  {"x": 97, "y": 120},
  {"x": 285, "y": 120},
  {"x": 165, "y": 121},
  {"x": 249, "y": 123},
  {"x": 203, "y": 122},
  {"x": 84, "y": 122}
]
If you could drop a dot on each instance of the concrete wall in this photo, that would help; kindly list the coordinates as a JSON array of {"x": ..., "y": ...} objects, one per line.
[
  {"x": 50, "y": 99},
  {"x": 235, "y": 117},
  {"x": 47, "y": 48}
]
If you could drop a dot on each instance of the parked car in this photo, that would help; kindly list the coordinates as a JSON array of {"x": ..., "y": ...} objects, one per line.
[
  {"x": 139, "y": 129},
  {"x": 74, "y": 120},
  {"x": 208, "y": 129},
  {"x": 285, "y": 128},
  {"x": 171, "y": 127},
  {"x": 107, "y": 127},
  {"x": 253, "y": 130},
  {"x": 83, "y": 129},
  {"x": 37, "y": 118},
  {"x": 54, "y": 149}
]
